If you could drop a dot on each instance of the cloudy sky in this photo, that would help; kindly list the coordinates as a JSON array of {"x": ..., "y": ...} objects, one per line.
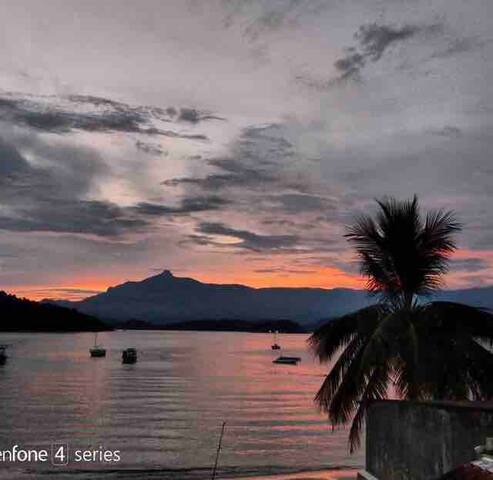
[{"x": 232, "y": 140}]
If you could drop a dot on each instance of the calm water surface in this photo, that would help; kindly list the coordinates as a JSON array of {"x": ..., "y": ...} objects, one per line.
[{"x": 164, "y": 413}]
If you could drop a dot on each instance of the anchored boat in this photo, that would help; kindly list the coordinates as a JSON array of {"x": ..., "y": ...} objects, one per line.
[
  {"x": 97, "y": 350},
  {"x": 3, "y": 354},
  {"x": 287, "y": 360},
  {"x": 275, "y": 345},
  {"x": 129, "y": 355}
]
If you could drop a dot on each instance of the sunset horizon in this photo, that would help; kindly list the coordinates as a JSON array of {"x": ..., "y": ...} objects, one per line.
[{"x": 328, "y": 278}]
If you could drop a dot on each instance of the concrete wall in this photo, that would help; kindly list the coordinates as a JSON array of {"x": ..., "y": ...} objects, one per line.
[{"x": 421, "y": 441}]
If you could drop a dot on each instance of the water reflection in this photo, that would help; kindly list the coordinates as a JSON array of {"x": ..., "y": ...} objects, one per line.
[{"x": 165, "y": 411}]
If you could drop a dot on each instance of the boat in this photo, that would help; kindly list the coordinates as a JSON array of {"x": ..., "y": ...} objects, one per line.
[
  {"x": 97, "y": 350},
  {"x": 3, "y": 354},
  {"x": 275, "y": 345},
  {"x": 287, "y": 360},
  {"x": 129, "y": 355}
]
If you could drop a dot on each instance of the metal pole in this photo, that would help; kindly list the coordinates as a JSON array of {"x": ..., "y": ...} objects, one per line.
[{"x": 218, "y": 451}]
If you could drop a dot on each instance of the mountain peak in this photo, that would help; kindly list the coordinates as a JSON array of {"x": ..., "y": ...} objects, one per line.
[{"x": 166, "y": 274}]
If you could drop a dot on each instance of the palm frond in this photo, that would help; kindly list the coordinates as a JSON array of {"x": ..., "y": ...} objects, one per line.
[
  {"x": 384, "y": 341},
  {"x": 328, "y": 339},
  {"x": 402, "y": 255},
  {"x": 451, "y": 317},
  {"x": 346, "y": 399},
  {"x": 376, "y": 389},
  {"x": 435, "y": 245},
  {"x": 339, "y": 371},
  {"x": 450, "y": 363}
]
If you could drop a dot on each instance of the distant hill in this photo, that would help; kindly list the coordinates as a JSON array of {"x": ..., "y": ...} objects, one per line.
[
  {"x": 164, "y": 299},
  {"x": 18, "y": 314}
]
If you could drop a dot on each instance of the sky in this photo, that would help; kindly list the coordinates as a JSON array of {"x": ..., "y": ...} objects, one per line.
[{"x": 233, "y": 141}]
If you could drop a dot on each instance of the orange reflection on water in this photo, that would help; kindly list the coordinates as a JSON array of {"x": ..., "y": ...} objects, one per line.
[{"x": 167, "y": 409}]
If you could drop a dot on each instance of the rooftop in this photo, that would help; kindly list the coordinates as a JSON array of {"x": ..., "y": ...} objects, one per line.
[{"x": 477, "y": 470}]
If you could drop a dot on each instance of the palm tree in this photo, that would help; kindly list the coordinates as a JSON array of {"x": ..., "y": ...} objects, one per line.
[{"x": 424, "y": 350}]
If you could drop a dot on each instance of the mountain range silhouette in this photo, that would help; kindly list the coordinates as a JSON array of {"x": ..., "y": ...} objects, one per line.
[{"x": 165, "y": 298}]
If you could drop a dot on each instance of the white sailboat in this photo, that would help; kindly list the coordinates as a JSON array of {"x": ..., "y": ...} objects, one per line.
[
  {"x": 97, "y": 350},
  {"x": 275, "y": 345}
]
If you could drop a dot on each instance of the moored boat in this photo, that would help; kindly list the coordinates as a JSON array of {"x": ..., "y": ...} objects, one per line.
[
  {"x": 97, "y": 350},
  {"x": 3, "y": 354},
  {"x": 129, "y": 355},
  {"x": 275, "y": 345},
  {"x": 283, "y": 360}
]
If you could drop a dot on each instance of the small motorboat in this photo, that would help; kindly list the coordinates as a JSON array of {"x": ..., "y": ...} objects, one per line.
[
  {"x": 3, "y": 354},
  {"x": 287, "y": 360},
  {"x": 275, "y": 345},
  {"x": 97, "y": 350},
  {"x": 129, "y": 355}
]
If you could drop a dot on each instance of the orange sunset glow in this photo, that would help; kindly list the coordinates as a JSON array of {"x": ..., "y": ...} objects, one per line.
[
  {"x": 76, "y": 290},
  {"x": 329, "y": 277}
]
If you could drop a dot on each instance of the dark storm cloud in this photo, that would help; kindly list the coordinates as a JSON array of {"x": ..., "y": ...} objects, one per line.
[
  {"x": 252, "y": 163},
  {"x": 64, "y": 114},
  {"x": 189, "y": 115},
  {"x": 99, "y": 218},
  {"x": 171, "y": 134},
  {"x": 261, "y": 178},
  {"x": 52, "y": 119},
  {"x": 98, "y": 101},
  {"x": 235, "y": 174},
  {"x": 188, "y": 205},
  {"x": 293, "y": 203},
  {"x": 279, "y": 222},
  {"x": 192, "y": 115},
  {"x": 373, "y": 41},
  {"x": 11, "y": 161},
  {"x": 53, "y": 198},
  {"x": 69, "y": 171},
  {"x": 246, "y": 239},
  {"x": 150, "y": 148},
  {"x": 350, "y": 65}
]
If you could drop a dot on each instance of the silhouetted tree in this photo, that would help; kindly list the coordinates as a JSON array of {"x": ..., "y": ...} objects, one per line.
[
  {"x": 426, "y": 350},
  {"x": 20, "y": 314}
]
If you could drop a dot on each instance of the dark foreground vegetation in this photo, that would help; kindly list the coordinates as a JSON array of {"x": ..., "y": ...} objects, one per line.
[
  {"x": 425, "y": 350},
  {"x": 20, "y": 314}
]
